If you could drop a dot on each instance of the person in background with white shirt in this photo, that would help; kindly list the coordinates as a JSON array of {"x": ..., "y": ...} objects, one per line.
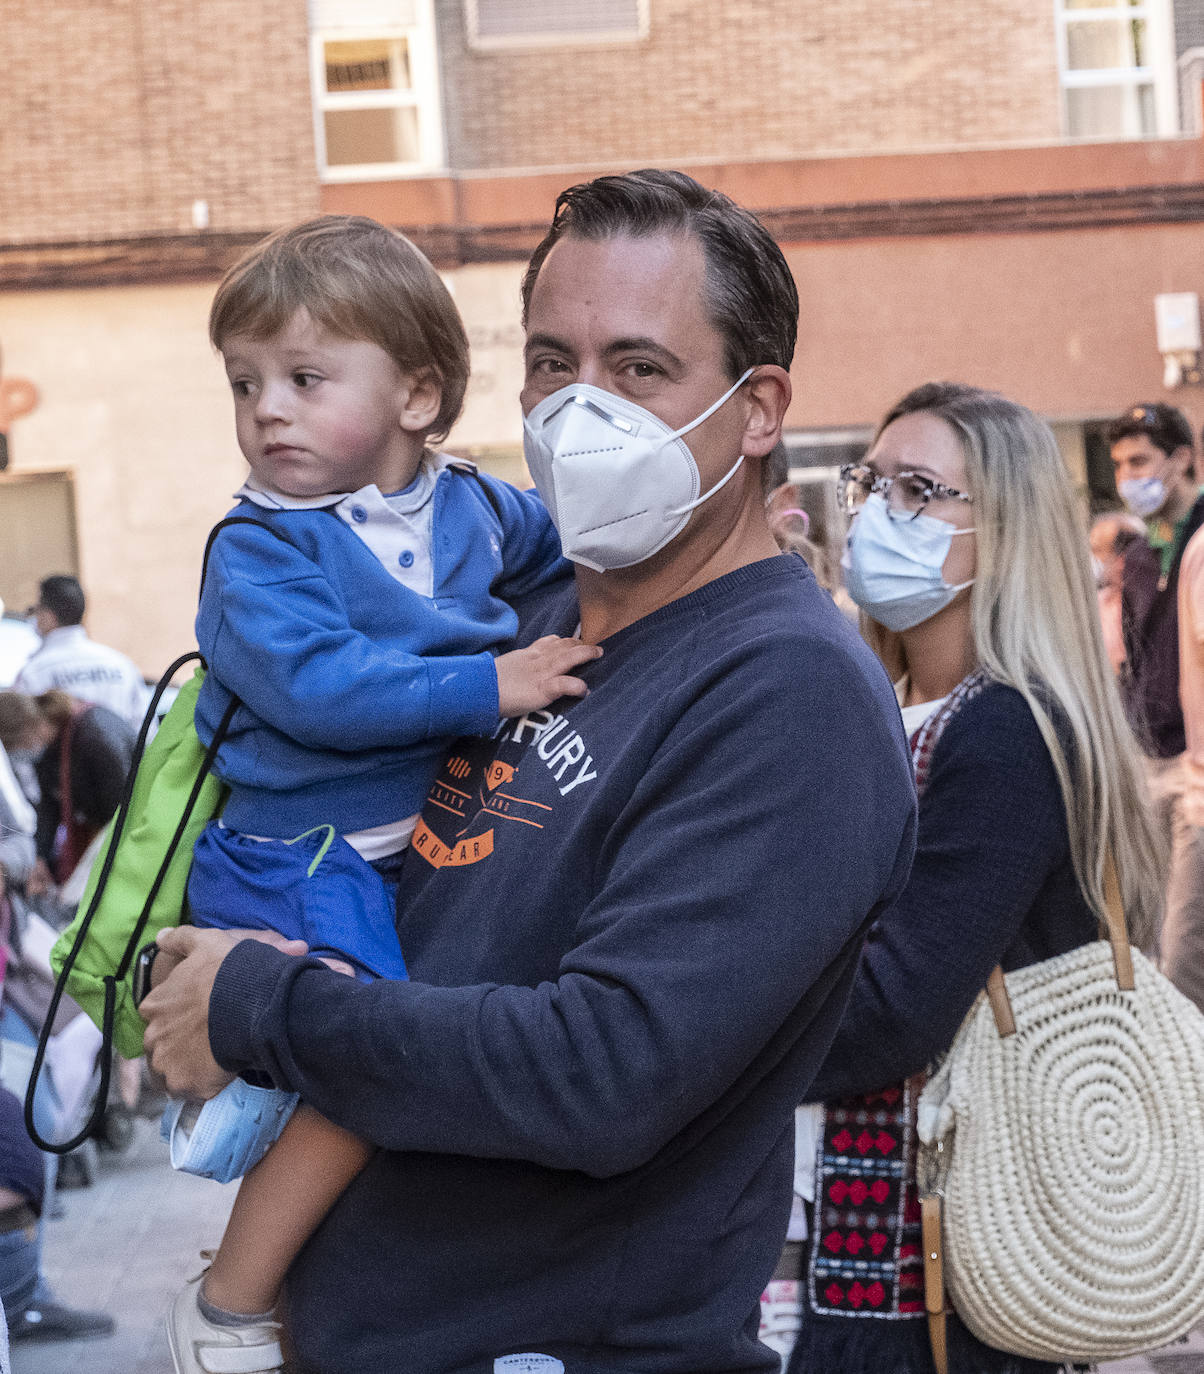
[{"x": 72, "y": 662}]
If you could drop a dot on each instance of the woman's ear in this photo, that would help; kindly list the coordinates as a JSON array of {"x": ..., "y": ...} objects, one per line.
[
  {"x": 788, "y": 520},
  {"x": 769, "y": 394},
  {"x": 787, "y": 498}
]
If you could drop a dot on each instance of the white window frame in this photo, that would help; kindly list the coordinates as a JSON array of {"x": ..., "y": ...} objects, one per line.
[
  {"x": 493, "y": 43},
  {"x": 1159, "y": 74},
  {"x": 422, "y": 96}
]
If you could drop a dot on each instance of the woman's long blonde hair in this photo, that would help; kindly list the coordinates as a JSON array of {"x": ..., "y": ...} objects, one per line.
[{"x": 1036, "y": 628}]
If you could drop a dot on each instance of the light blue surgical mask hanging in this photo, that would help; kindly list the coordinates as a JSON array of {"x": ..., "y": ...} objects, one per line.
[{"x": 893, "y": 568}]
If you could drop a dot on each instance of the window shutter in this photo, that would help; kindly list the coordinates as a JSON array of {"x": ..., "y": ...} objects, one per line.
[{"x": 514, "y": 20}]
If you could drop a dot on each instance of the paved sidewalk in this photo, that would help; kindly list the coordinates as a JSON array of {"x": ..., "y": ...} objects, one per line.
[{"x": 124, "y": 1247}]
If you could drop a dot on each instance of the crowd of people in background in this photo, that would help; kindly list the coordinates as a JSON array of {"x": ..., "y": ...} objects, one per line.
[
  {"x": 1050, "y": 682},
  {"x": 67, "y": 728}
]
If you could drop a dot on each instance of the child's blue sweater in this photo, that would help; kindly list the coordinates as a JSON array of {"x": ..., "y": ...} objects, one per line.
[{"x": 353, "y": 684}]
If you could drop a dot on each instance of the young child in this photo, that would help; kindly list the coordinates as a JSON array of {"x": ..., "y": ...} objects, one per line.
[{"x": 360, "y": 643}]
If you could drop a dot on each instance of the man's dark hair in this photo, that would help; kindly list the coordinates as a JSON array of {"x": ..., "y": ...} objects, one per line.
[
  {"x": 1164, "y": 426},
  {"x": 750, "y": 294},
  {"x": 63, "y": 597}
]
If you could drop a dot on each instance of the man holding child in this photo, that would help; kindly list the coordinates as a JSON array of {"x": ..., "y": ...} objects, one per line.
[{"x": 631, "y": 918}]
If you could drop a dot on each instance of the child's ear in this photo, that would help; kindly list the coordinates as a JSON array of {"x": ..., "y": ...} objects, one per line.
[{"x": 421, "y": 399}]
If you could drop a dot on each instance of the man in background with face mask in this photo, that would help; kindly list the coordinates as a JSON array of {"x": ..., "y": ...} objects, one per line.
[
  {"x": 632, "y": 919},
  {"x": 1153, "y": 455}
]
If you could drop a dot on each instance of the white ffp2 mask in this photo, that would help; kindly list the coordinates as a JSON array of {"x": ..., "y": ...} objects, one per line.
[{"x": 618, "y": 482}]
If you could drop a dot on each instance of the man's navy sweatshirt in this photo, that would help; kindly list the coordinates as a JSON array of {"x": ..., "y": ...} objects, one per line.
[{"x": 631, "y": 922}]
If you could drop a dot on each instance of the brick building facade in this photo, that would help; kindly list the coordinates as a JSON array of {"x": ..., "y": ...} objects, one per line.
[
  {"x": 756, "y": 79},
  {"x": 118, "y": 116}
]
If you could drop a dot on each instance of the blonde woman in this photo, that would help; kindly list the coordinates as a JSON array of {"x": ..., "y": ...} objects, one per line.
[{"x": 967, "y": 558}]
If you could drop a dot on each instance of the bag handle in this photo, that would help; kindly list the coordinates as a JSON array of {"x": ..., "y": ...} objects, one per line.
[
  {"x": 1118, "y": 938},
  {"x": 935, "y": 1307},
  {"x": 111, "y": 980}
]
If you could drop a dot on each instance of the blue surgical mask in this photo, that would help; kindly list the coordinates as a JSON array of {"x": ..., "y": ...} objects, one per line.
[
  {"x": 893, "y": 568},
  {"x": 1144, "y": 496}
]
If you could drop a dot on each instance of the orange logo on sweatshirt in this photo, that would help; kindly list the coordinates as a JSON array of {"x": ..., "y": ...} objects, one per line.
[
  {"x": 498, "y": 773},
  {"x": 440, "y": 855}
]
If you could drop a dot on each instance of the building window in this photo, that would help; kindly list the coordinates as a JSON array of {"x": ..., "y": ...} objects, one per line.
[
  {"x": 1116, "y": 59},
  {"x": 536, "y": 23},
  {"x": 376, "y": 90}
]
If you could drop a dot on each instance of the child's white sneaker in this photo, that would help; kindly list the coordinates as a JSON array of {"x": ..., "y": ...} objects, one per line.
[{"x": 200, "y": 1346}]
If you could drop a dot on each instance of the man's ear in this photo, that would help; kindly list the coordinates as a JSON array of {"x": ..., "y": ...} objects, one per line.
[
  {"x": 421, "y": 400},
  {"x": 1184, "y": 459},
  {"x": 768, "y": 391}
]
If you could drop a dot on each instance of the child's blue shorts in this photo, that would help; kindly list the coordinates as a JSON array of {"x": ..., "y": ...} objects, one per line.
[{"x": 315, "y": 888}]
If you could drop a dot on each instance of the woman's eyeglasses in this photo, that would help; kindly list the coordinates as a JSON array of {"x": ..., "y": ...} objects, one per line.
[{"x": 907, "y": 494}]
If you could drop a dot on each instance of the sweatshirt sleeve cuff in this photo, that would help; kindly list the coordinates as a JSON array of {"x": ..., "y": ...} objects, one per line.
[
  {"x": 463, "y": 699},
  {"x": 239, "y": 1001}
]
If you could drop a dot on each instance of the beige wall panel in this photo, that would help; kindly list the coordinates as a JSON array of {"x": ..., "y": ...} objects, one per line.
[
  {"x": 134, "y": 401},
  {"x": 37, "y": 517},
  {"x": 488, "y": 300},
  {"x": 1061, "y": 321}
]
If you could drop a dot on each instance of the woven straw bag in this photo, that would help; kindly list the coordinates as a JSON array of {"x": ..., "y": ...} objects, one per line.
[{"x": 1061, "y": 1166}]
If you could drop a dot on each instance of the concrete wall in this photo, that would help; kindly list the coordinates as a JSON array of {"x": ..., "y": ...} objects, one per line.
[
  {"x": 134, "y": 403},
  {"x": 1189, "y": 24}
]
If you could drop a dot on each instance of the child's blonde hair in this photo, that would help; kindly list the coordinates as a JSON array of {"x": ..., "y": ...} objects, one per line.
[{"x": 357, "y": 279}]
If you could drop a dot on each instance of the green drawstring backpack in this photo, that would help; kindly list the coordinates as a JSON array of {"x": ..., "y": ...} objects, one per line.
[
  {"x": 136, "y": 887},
  {"x": 137, "y": 884}
]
